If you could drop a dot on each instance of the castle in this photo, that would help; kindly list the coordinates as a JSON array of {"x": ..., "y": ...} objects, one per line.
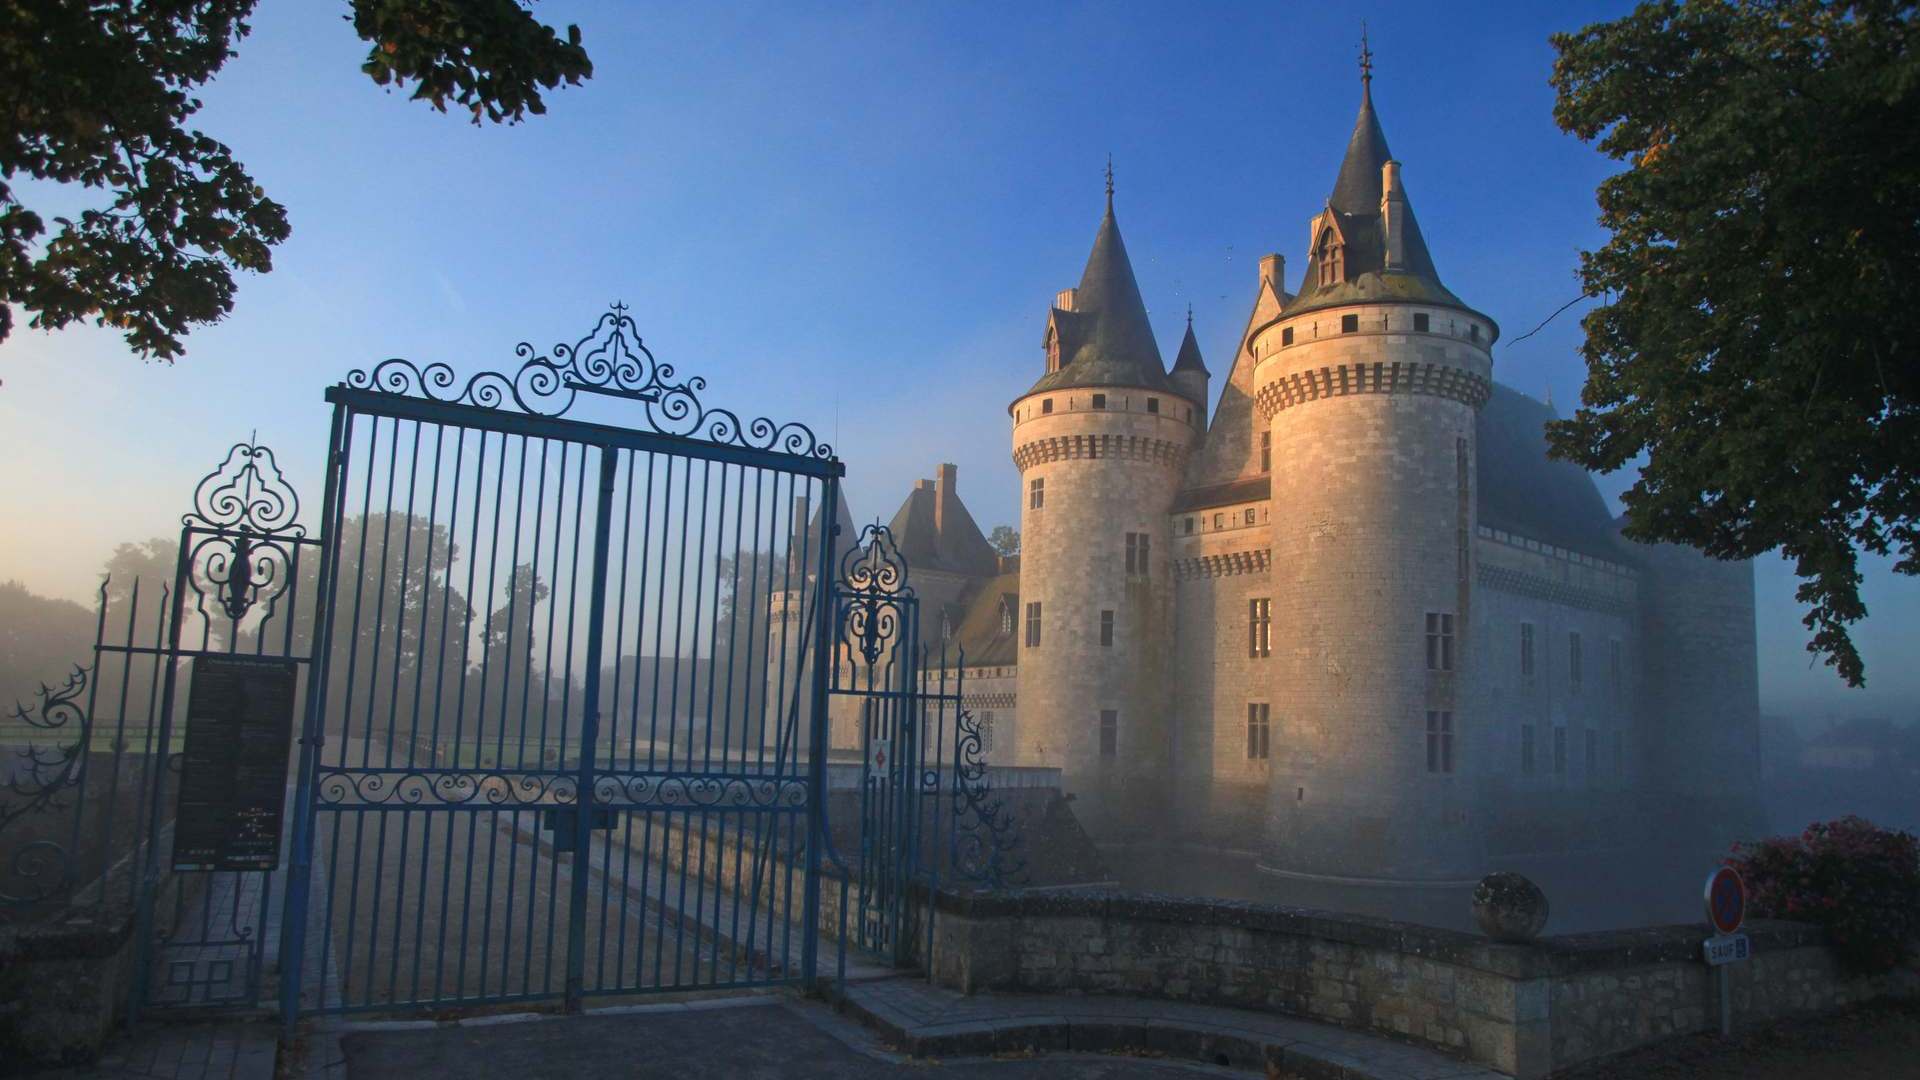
[{"x": 1355, "y": 625}]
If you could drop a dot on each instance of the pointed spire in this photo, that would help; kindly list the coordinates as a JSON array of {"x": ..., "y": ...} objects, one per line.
[
  {"x": 1109, "y": 340},
  {"x": 1188, "y": 359},
  {"x": 1357, "y": 189}
]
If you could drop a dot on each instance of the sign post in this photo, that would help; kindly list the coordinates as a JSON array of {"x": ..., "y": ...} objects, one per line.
[{"x": 1726, "y": 901}]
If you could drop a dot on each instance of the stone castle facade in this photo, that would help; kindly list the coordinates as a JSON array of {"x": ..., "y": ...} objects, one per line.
[{"x": 1353, "y": 625}]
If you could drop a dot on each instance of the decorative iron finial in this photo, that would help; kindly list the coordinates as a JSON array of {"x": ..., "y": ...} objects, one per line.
[
  {"x": 1366, "y": 60},
  {"x": 1109, "y": 181},
  {"x": 1189, "y": 314}
]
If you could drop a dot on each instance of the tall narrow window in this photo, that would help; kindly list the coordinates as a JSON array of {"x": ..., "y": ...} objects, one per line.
[
  {"x": 1286, "y": 336},
  {"x": 1259, "y": 730},
  {"x": 1573, "y": 661},
  {"x": 1137, "y": 552},
  {"x": 1439, "y": 641},
  {"x": 1526, "y": 749},
  {"x": 1033, "y": 625},
  {"x": 1189, "y": 525},
  {"x": 1439, "y": 742},
  {"x": 1526, "y": 649},
  {"x": 1247, "y": 517},
  {"x": 1259, "y": 627},
  {"x": 1266, "y": 451},
  {"x": 1106, "y": 628},
  {"x": 1615, "y": 667},
  {"x": 1592, "y": 752},
  {"x": 1036, "y": 493},
  {"x": 1219, "y": 521},
  {"x": 1109, "y": 732},
  {"x": 1559, "y": 751}
]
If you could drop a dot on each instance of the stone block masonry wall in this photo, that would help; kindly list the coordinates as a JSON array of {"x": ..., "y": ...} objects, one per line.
[
  {"x": 1372, "y": 532},
  {"x": 1526, "y": 1010}
]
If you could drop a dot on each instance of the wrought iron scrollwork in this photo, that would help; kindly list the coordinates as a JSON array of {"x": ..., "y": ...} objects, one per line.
[
  {"x": 415, "y": 787},
  {"x": 247, "y": 492},
  {"x": 874, "y": 593},
  {"x": 41, "y": 869},
  {"x": 611, "y": 361},
  {"x": 244, "y": 517},
  {"x": 986, "y": 834}
]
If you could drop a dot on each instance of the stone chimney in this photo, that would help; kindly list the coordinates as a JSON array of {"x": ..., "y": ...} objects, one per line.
[
  {"x": 1064, "y": 299},
  {"x": 1393, "y": 216},
  {"x": 1273, "y": 271},
  {"x": 946, "y": 497}
]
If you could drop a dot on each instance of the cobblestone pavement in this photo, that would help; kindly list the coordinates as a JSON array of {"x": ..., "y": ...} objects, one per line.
[{"x": 184, "y": 1052}]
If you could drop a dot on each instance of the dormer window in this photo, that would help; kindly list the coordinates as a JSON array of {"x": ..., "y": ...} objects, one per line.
[
  {"x": 1006, "y": 619},
  {"x": 1329, "y": 256}
]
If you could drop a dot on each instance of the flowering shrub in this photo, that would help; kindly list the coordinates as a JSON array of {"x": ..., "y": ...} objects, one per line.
[{"x": 1858, "y": 881}]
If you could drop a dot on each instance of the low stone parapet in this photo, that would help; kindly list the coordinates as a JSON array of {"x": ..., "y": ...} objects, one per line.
[{"x": 1526, "y": 1010}]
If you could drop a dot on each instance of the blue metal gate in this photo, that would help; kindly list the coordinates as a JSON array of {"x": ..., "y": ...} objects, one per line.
[
  {"x": 925, "y": 811},
  {"x": 565, "y": 732}
]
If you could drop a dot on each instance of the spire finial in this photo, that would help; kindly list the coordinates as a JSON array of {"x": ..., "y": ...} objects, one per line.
[
  {"x": 1109, "y": 181},
  {"x": 1366, "y": 62},
  {"x": 1189, "y": 314}
]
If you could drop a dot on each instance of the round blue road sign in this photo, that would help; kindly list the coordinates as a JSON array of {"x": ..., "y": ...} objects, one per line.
[{"x": 1726, "y": 900}]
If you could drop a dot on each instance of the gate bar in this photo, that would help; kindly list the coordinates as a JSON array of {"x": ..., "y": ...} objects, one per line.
[
  {"x": 589, "y": 735},
  {"x": 823, "y": 656},
  {"x": 293, "y": 910}
]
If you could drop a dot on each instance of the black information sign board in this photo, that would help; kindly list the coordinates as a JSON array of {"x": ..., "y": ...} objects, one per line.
[{"x": 233, "y": 775}]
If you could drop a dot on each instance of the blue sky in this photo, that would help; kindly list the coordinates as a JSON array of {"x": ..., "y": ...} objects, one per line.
[{"x": 849, "y": 215}]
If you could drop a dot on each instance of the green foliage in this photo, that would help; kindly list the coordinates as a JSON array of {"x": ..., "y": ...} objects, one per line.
[
  {"x": 100, "y": 95},
  {"x": 490, "y": 57},
  {"x": 1858, "y": 881},
  {"x": 1005, "y": 540},
  {"x": 1758, "y": 335}
]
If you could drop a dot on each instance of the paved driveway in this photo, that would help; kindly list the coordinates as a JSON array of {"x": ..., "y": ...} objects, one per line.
[{"x": 761, "y": 1038}]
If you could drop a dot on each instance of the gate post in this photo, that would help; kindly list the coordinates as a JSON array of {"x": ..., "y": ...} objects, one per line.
[
  {"x": 589, "y": 736},
  {"x": 298, "y": 883},
  {"x": 823, "y": 655}
]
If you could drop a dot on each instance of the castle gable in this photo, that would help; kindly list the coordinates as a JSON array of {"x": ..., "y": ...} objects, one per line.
[{"x": 1230, "y": 450}]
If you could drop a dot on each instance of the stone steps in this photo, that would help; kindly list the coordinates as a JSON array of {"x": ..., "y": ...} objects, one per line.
[{"x": 929, "y": 1022}]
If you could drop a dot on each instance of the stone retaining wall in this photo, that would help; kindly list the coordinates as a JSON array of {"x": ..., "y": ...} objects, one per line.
[
  {"x": 1526, "y": 1010},
  {"x": 65, "y": 979}
]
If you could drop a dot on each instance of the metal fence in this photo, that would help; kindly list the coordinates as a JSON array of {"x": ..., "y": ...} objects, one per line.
[{"x": 562, "y": 722}]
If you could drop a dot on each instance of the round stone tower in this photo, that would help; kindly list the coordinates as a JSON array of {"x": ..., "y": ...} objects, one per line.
[
  {"x": 1368, "y": 381},
  {"x": 1101, "y": 441}
]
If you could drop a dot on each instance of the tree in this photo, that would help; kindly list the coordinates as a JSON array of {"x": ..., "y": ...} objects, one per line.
[
  {"x": 100, "y": 94},
  {"x": 1757, "y": 335},
  {"x": 1005, "y": 540},
  {"x": 153, "y": 563}
]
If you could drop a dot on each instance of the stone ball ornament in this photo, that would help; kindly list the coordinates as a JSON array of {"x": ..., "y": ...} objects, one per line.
[{"x": 1509, "y": 907}]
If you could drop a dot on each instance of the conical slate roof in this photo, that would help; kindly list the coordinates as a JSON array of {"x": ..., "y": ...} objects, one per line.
[
  {"x": 1188, "y": 358},
  {"x": 1106, "y": 340},
  {"x": 1357, "y": 190},
  {"x": 1355, "y": 202}
]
